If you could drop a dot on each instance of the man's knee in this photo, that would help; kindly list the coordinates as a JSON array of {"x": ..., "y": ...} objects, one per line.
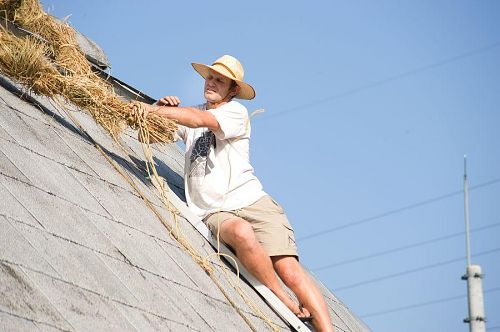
[
  {"x": 292, "y": 277},
  {"x": 238, "y": 233},
  {"x": 290, "y": 271}
]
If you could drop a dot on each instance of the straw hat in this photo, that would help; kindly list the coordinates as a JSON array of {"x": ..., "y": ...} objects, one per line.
[{"x": 231, "y": 68}]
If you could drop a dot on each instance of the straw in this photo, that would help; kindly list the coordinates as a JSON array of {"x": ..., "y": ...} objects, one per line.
[{"x": 61, "y": 68}]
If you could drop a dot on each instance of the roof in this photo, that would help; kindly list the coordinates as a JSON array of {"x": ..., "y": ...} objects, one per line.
[{"x": 80, "y": 250}]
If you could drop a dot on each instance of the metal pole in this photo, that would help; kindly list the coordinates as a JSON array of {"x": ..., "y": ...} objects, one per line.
[
  {"x": 473, "y": 275},
  {"x": 466, "y": 212},
  {"x": 476, "y": 319}
]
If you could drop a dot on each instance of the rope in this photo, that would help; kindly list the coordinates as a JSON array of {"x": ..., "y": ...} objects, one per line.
[{"x": 174, "y": 230}]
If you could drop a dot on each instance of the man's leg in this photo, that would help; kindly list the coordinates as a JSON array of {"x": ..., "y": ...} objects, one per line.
[
  {"x": 239, "y": 234},
  {"x": 294, "y": 276}
]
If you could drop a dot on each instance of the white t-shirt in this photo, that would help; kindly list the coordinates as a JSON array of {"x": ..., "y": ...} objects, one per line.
[{"x": 217, "y": 171}]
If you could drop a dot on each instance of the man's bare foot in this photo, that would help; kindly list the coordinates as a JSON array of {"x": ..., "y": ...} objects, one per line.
[
  {"x": 304, "y": 313},
  {"x": 300, "y": 311}
]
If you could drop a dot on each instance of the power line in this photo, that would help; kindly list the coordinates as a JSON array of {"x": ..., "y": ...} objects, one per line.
[
  {"x": 402, "y": 248},
  {"x": 423, "y": 304},
  {"x": 382, "y": 81},
  {"x": 414, "y": 270},
  {"x": 395, "y": 211}
]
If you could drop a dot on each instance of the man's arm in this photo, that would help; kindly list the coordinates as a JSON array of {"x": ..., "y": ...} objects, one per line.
[{"x": 187, "y": 116}]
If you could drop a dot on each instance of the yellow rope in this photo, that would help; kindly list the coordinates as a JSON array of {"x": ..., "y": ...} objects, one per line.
[{"x": 175, "y": 232}]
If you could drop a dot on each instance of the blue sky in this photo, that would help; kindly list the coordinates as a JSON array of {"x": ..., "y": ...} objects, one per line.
[{"x": 370, "y": 107}]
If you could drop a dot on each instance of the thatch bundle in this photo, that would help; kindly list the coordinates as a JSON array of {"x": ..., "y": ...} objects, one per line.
[
  {"x": 26, "y": 60},
  {"x": 61, "y": 68}
]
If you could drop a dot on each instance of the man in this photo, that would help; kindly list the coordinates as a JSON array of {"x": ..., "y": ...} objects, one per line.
[{"x": 223, "y": 191}]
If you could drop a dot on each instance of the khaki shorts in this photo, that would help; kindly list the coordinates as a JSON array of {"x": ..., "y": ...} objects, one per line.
[{"x": 268, "y": 221}]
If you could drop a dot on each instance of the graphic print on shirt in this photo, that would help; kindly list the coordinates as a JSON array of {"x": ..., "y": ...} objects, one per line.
[{"x": 199, "y": 154}]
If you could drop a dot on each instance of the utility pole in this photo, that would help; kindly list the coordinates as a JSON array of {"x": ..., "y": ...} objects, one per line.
[{"x": 473, "y": 275}]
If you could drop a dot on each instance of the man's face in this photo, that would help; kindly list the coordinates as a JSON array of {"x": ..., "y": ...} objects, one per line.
[{"x": 216, "y": 87}]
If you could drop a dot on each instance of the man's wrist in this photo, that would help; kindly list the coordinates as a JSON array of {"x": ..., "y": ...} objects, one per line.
[{"x": 155, "y": 109}]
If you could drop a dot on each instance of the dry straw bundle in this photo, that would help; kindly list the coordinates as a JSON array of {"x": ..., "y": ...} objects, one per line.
[
  {"x": 60, "y": 68},
  {"x": 26, "y": 60}
]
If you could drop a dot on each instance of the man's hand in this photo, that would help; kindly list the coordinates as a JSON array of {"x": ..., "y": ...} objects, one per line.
[
  {"x": 169, "y": 101},
  {"x": 144, "y": 110}
]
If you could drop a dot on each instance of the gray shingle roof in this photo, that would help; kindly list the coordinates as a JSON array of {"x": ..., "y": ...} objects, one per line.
[{"x": 79, "y": 249}]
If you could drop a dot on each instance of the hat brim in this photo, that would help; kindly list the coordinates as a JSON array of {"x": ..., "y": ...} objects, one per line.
[{"x": 246, "y": 90}]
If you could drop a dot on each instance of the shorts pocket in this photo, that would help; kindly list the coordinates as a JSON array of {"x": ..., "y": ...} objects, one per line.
[{"x": 290, "y": 235}]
